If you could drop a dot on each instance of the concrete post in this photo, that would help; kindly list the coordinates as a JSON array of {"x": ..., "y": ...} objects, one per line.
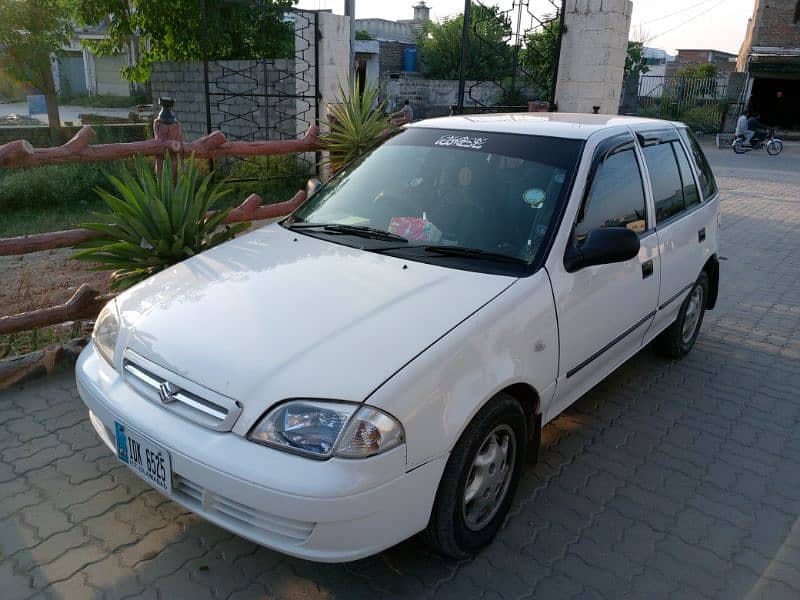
[{"x": 593, "y": 52}]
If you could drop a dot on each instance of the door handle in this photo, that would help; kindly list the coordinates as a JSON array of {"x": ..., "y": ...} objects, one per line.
[
  {"x": 647, "y": 269},
  {"x": 701, "y": 235}
]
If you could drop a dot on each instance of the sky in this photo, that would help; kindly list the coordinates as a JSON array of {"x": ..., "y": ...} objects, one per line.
[{"x": 667, "y": 24}]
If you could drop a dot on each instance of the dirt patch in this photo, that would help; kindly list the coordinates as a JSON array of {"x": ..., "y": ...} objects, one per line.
[{"x": 44, "y": 279}]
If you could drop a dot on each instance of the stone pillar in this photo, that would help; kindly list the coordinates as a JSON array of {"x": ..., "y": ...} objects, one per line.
[{"x": 593, "y": 52}]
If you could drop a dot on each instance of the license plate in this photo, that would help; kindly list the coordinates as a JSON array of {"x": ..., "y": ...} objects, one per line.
[{"x": 145, "y": 458}]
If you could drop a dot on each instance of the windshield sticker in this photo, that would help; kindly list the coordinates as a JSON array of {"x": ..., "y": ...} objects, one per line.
[
  {"x": 462, "y": 141},
  {"x": 535, "y": 197}
]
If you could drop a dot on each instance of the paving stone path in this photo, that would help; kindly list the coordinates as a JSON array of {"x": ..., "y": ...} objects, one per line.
[{"x": 669, "y": 480}]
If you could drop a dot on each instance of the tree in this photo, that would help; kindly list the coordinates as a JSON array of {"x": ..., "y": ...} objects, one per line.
[
  {"x": 182, "y": 29},
  {"x": 539, "y": 55},
  {"x": 30, "y": 32},
  {"x": 704, "y": 71},
  {"x": 634, "y": 60},
  {"x": 489, "y": 55}
]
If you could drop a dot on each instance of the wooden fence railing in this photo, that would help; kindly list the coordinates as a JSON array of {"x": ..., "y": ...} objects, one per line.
[{"x": 168, "y": 140}]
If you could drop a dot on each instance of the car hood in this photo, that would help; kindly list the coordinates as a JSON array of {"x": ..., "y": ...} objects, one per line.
[{"x": 276, "y": 314}]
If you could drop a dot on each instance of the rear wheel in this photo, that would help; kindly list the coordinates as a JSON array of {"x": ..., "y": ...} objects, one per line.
[
  {"x": 739, "y": 147},
  {"x": 479, "y": 481},
  {"x": 677, "y": 340},
  {"x": 774, "y": 147}
]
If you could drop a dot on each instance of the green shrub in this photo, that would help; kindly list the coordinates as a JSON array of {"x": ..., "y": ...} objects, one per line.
[
  {"x": 155, "y": 222},
  {"x": 102, "y": 101},
  {"x": 356, "y": 123},
  {"x": 274, "y": 178},
  {"x": 52, "y": 185}
]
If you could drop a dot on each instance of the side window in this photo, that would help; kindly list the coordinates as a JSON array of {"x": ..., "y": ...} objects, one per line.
[
  {"x": 706, "y": 177},
  {"x": 616, "y": 196},
  {"x": 666, "y": 180},
  {"x": 690, "y": 193}
]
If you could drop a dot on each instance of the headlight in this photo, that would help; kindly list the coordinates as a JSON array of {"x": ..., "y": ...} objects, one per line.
[
  {"x": 324, "y": 429},
  {"x": 106, "y": 332}
]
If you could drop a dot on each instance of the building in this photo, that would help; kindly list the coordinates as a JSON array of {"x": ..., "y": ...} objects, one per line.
[
  {"x": 656, "y": 60},
  {"x": 770, "y": 54},
  {"x": 388, "y": 57},
  {"x": 723, "y": 62},
  {"x": 79, "y": 71}
]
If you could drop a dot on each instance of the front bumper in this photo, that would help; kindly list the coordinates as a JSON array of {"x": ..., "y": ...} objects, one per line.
[{"x": 328, "y": 511}]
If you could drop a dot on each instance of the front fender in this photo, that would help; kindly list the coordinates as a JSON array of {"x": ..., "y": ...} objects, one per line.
[{"x": 511, "y": 340}]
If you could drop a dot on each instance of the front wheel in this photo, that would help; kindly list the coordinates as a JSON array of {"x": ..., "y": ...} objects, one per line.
[
  {"x": 479, "y": 481},
  {"x": 679, "y": 338},
  {"x": 774, "y": 147},
  {"x": 739, "y": 147}
]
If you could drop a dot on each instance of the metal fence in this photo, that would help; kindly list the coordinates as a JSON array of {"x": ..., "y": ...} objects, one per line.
[
  {"x": 269, "y": 98},
  {"x": 699, "y": 102},
  {"x": 524, "y": 63}
]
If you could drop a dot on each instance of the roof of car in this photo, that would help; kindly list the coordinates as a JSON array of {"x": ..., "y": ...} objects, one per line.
[{"x": 555, "y": 124}]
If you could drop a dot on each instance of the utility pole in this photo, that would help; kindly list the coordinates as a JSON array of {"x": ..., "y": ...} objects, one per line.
[
  {"x": 350, "y": 11},
  {"x": 462, "y": 67}
]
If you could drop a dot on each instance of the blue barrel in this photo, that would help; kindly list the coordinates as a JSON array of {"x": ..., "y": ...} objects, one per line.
[{"x": 410, "y": 59}]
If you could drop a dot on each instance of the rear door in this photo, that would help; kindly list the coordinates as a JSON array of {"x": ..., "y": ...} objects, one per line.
[
  {"x": 684, "y": 233},
  {"x": 604, "y": 310}
]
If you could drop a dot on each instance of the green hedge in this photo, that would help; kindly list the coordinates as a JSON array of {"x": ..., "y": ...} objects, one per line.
[{"x": 39, "y": 135}]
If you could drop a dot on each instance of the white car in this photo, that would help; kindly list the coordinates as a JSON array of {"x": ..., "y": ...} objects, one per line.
[{"x": 382, "y": 361}]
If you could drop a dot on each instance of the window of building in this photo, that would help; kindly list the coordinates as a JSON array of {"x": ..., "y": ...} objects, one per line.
[{"x": 616, "y": 196}]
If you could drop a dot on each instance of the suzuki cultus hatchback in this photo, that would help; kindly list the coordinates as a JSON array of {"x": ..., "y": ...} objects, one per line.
[{"x": 381, "y": 362}]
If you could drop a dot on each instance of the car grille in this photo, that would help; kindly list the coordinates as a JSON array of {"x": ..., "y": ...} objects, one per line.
[
  {"x": 179, "y": 395},
  {"x": 238, "y": 516}
]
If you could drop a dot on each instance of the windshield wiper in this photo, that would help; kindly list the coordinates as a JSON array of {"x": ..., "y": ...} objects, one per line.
[
  {"x": 359, "y": 230},
  {"x": 474, "y": 253}
]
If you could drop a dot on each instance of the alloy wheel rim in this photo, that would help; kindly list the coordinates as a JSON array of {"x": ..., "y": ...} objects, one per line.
[
  {"x": 489, "y": 477},
  {"x": 691, "y": 319}
]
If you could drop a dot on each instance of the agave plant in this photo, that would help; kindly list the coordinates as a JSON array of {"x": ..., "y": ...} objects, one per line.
[
  {"x": 155, "y": 222},
  {"x": 355, "y": 122}
]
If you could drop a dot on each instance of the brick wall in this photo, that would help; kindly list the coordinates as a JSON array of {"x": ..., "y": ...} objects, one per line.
[
  {"x": 434, "y": 97},
  {"x": 724, "y": 63},
  {"x": 775, "y": 24},
  {"x": 391, "y": 57}
]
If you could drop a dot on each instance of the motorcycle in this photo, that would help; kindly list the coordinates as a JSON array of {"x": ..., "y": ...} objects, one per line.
[{"x": 773, "y": 145}]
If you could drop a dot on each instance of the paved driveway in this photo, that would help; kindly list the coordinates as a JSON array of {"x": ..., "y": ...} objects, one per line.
[{"x": 670, "y": 479}]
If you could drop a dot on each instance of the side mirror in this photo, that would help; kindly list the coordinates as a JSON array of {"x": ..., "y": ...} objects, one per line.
[
  {"x": 602, "y": 246},
  {"x": 312, "y": 187}
]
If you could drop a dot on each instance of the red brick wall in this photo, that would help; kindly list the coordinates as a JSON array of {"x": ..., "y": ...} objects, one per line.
[{"x": 775, "y": 24}]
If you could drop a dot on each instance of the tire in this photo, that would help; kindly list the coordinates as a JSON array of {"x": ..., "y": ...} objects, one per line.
[
  {"x": 679, "y": 338},
  {"x": 457, "y": 528},
  {"x": 739, "y": 147},
  {"x": 774, "y": 147}
]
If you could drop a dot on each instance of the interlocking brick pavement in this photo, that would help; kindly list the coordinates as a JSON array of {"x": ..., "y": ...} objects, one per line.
[{"x": 668, "y": 480}]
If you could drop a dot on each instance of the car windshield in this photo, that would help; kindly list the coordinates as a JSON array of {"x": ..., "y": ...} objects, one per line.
[{"x": 495, "y": 195}]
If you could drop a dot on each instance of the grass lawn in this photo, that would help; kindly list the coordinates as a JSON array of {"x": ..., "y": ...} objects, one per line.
[{"x": 24, "y": 221}]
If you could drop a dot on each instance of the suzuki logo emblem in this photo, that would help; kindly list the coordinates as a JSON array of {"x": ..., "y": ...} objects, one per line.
[{"x": 167, "y": 391}]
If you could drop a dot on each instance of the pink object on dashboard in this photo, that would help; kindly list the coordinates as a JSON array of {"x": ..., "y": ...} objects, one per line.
[{"x": 415, "y": 228}]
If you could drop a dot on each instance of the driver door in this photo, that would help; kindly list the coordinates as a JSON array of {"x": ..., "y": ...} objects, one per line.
[{"x": 605, "y": 310}]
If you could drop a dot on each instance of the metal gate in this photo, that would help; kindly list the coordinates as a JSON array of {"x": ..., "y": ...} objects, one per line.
[
  {"x": 700, "y": 102},
  {"x": 519, "y": 50},
  {"x": 267, "y": 99}
]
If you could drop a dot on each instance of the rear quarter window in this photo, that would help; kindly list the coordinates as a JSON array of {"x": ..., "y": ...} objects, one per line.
[{"x": 706, "y": 178}]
